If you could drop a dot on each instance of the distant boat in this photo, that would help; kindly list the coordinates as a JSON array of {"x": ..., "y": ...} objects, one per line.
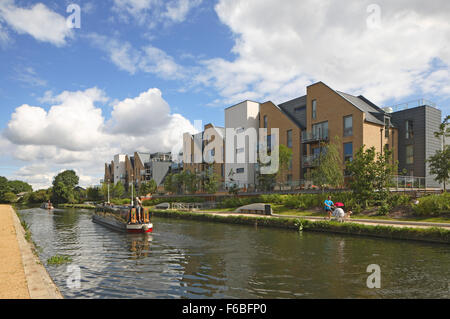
[
  {"x": 48, "y": 206},
  {"x": 122, "y": 219}
]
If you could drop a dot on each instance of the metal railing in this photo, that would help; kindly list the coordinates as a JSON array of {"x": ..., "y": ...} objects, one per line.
[
  {"x": 408, "y": 182},
  {"x": 410, "y": 104},
  {"x": 310, "y": 160},
  {"x": 308, "y": 137}
]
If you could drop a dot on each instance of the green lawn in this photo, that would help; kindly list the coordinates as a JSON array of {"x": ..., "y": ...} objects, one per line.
[
  {"x": 282, "y": 210},
  {"x": 438, "y": 219}
]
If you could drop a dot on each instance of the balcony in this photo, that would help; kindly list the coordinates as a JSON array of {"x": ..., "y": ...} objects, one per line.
[
  {"x": 310, "y": 160},
  {"x": 314, "y": 137}
]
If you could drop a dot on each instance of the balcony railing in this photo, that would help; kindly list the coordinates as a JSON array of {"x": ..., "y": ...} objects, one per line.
[
  {"x": 310, "y": 137},
  {"x": 310, "y": 160}
]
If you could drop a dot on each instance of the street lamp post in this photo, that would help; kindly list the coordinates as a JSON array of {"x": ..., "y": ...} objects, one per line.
[
  {"x": 108, "y": 190},
  {"x": 132, "y": 182}
]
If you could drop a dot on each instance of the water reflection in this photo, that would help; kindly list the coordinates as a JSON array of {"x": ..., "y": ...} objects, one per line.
[
  {"x": 187, "y": 259},
  {"x": 139, "y": 245}
]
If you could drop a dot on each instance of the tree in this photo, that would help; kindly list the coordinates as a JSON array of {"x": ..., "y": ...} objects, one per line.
[
  {"x": 118, "y": 190},
  {"x": 19, "y": 187},
  {"x": 9, "y": 197},
  {"x": 190, "y": 180},
  {"x": 440, "y": 161},
  {"x": 169, "y": 185},
  {"x": 4, "y": 187},
  {"x": 93, "y": 194},
  {"x": 330, "y": 169},
  {"x": 63, "y": 187},
  {"x": 69, "y": 178},
  {"x": 444, "y": 130},
  {"x": 266, "y": 182},
  {"x": 371, "y": 174},
  {"x": 440, "y": 166},
  {"x": 211, "y": 182},
  {"x": 285, "y": 157},
  {"x": 148, "y": 188},
  {"x": 62, "y": 194},
  {"x": 40, "y": 196}
]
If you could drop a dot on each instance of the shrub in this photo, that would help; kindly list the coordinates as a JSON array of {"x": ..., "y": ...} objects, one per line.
[
  {"x": 396, "y": 200},
  {"x": 433, "y": 205},
  {"x": 384, "y": 209},
  {"x": 118, "y": 201}
]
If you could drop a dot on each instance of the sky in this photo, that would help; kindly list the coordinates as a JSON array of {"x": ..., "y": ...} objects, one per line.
[{"x": 83, "y": 80}]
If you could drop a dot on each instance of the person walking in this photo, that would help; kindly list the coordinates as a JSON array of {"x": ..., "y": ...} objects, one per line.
[{"x": 329, "y": 206}]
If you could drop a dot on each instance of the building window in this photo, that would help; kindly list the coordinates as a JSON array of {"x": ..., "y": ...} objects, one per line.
[
  {"x": 409, "y": 154},
  {"x": 240, "y": 170},
  {"x": 222, "y": 170},
  {"x": 348, "y": 125},
  {"x": 387, "y": 125},
  {"x": 409, "y": 129},
  {"x": 289, "y": 138},
  {"x": 314, "y": 109},
  {"x": 298, "y": 109},
  {"x": 290, "y": 164},
  {"x": 348, "y": 152},
  {"x": 269, "y": 143},
  {"x": 265, "y": 121},
  {"x": 320, "y": 130},
  {"x": 240, "y": 150}
]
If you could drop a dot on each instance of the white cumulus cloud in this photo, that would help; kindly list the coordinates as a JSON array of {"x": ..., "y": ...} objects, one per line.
[
  {"x": 38, "y": 21},
  {"x": 73, "y": 133},
  {"x": 282, "y": 46}
]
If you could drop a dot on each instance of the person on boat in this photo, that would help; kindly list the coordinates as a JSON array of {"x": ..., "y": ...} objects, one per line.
[
  {"x": 139, "y": 210},
  {"x": 329, "y": 206}
]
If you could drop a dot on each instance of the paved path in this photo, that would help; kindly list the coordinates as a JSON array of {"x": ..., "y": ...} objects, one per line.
[
  {"x": 13, "y": 283},
  {"x": 22, "y": 276}
]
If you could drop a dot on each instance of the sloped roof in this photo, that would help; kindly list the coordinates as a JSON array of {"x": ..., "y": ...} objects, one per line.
[
  {"x": 145, "y": 157},
  {"x": 297, "y": 102},
  {"x": 372, "y": 112},
  {"x": 294, "y": 103}
]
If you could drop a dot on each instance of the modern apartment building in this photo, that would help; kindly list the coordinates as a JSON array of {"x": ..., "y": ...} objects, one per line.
[
  {"x": 354, "y": 120},
  {"x": 242, "y": 123},
  {"x": 141, "y": 167},
  {"x": 205, "y": 151},
  {"x": 416, "y": 123},
  {"x": 325, "y": 115},
  {"x": 290, "y": 131}
]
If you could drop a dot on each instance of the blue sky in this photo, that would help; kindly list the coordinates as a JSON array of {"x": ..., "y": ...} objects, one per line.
[{"x": 140, "y": 72}]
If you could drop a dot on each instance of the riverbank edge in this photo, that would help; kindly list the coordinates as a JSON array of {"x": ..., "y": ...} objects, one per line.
[
  {"x": 40, "y": 284},
  {"x": 432, "y": 234},
  {"x": 79, "y": 206}
]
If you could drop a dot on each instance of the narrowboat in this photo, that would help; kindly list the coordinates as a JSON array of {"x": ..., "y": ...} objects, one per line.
[
  {"x": 123, "y": 218},
  {"x": 47, "y": 205}
]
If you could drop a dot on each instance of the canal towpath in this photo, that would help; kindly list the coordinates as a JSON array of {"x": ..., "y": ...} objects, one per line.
[{"x": 22, "y": 276}]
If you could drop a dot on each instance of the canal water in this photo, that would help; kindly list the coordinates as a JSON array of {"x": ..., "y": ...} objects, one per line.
[{"x": 191, "y": 259}]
